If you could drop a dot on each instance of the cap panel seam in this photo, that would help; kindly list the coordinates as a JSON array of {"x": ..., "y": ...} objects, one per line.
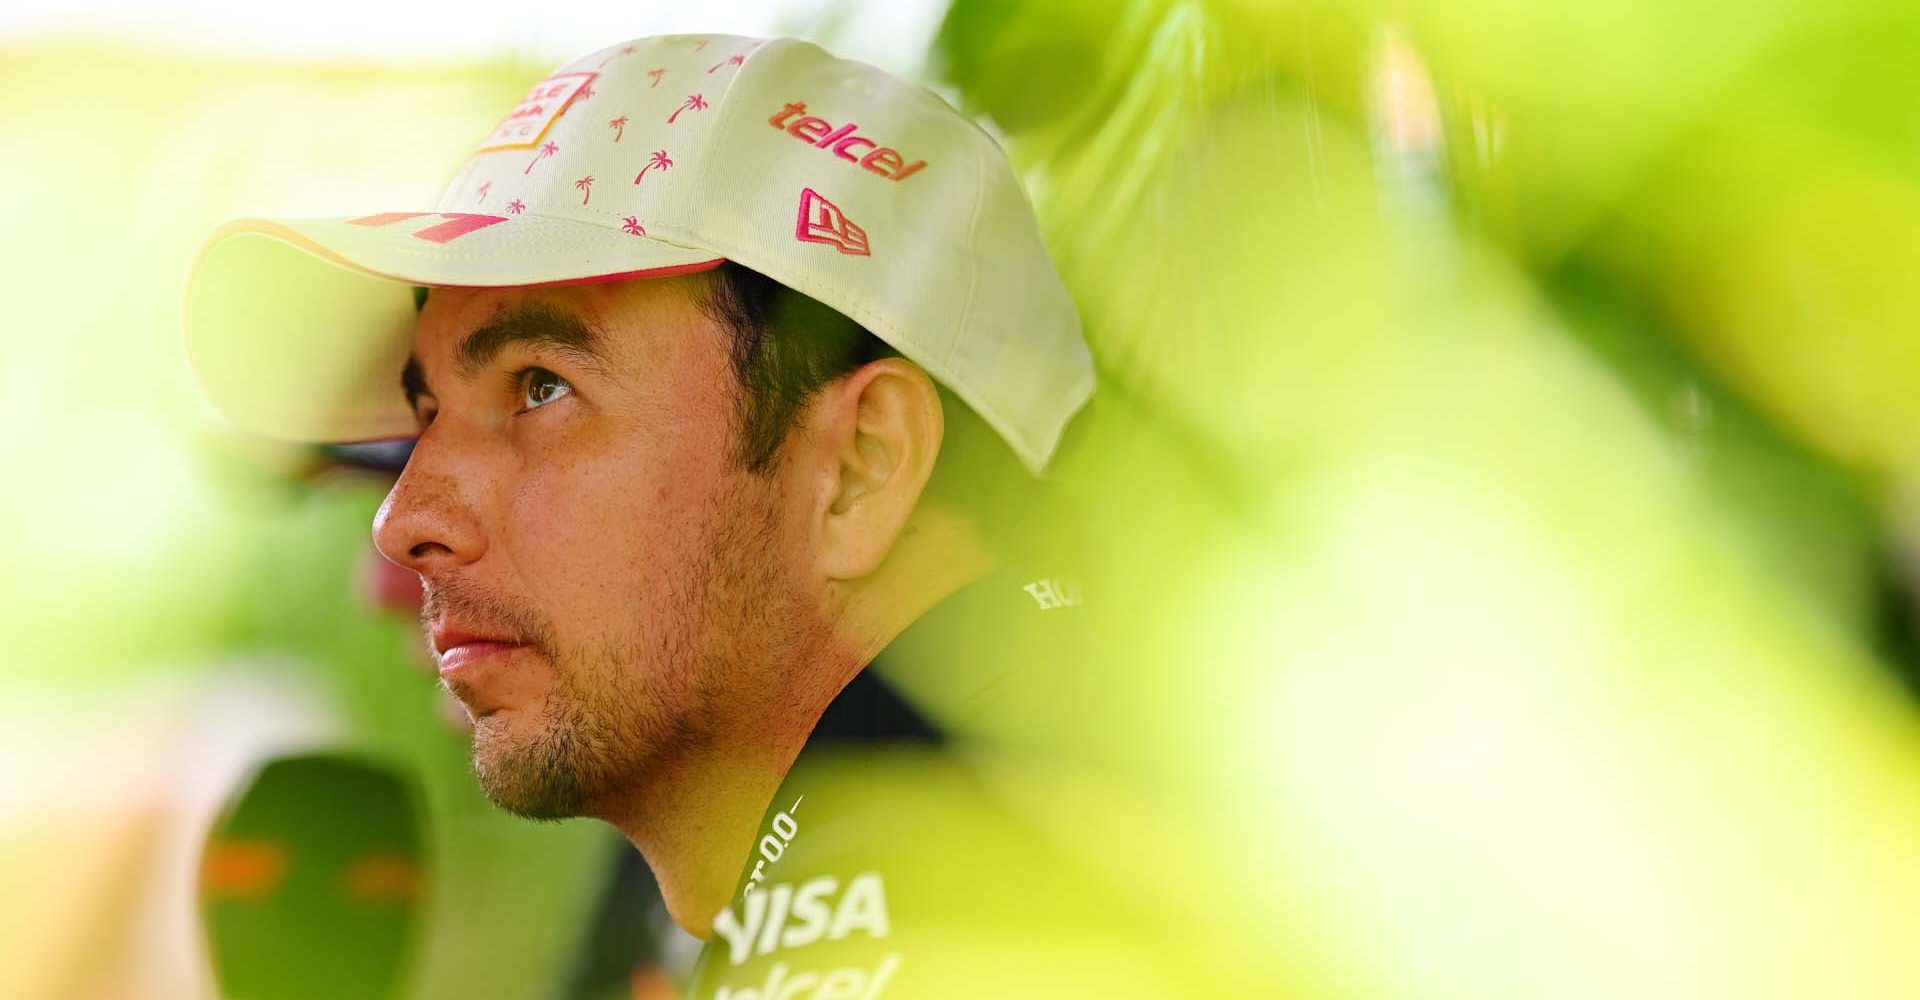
[
  {"x": 982, "y": 400},
  {"x": 694, "y": 215},
  {"x": 973, "y": 273}
]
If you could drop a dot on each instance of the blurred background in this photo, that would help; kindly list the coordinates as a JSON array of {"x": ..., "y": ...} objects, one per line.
[{"x": 1505, "y": 480}]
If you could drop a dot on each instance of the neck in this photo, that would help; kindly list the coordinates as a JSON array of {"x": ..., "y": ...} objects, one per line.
[
  {"x": 696, "y": 817},
  {"x": 696, "y": 822}
]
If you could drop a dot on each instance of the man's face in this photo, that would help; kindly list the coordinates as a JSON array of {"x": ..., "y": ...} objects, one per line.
[{"x": 605, "y": 584}]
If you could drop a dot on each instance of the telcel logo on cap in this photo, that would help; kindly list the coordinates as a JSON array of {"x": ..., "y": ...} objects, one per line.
[{"x": 818, "y": 132}]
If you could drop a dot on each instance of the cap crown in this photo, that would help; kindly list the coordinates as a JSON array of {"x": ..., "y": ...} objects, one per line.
[
  {"x": 607, "y": 136},
  {"x": 828, "y": 175}
]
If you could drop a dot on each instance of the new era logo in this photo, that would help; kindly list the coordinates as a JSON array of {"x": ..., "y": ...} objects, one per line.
[{"x": 821, "y": 221}]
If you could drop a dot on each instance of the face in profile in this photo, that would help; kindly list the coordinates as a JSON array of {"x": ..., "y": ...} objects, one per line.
[{"x": 605, "y": 584}]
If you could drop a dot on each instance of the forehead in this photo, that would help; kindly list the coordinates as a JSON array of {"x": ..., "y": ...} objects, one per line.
[{"x": 652, "y": 324}]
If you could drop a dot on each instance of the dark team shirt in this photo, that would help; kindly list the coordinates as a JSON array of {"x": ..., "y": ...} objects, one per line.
[
  {"x": 901, "y": 867},
  {"x": 631, "y": 940}
]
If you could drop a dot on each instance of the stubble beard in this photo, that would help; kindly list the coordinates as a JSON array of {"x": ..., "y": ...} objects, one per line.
[{"x": 630, "y": 705}]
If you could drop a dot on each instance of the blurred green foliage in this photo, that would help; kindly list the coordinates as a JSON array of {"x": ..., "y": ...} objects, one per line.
[{"x": 1495, "y": 533}]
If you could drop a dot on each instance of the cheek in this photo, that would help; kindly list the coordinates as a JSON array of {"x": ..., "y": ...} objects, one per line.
[{"x": 594, "y": 541}]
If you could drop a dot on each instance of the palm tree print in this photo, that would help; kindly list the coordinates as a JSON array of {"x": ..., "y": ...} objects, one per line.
[
  {"x": 585, "y": 184},
  {"x": 658, "y": 159},
  {"x": 656, "y": 74},
  {"x": 619, "y": 127},
  {"x": 586, "y": 92},
  {"x": 694, "y": 102},
  {"x": 545, "y": 151},
  {"x": 625, "y": 50},
  {"x": 735, "y": 60},
  {"x": 516, "y": 206},
  {"x": 484, "y": 188},
  {"x": 699, "y": 45},
  {"x": 632, "y": 226}
]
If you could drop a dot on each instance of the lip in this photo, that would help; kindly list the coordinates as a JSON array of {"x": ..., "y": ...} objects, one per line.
[
  {"x": 464, "y": 657},
  {"x": 461, "y": 650}
]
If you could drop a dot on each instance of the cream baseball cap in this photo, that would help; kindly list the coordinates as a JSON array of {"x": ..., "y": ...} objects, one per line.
[{"x": 653, "y": 157}]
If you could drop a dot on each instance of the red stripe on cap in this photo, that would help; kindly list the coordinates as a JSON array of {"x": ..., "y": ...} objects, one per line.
[
  {"x": 457, "y": 227},
  {"x": 384, "y": 218}
]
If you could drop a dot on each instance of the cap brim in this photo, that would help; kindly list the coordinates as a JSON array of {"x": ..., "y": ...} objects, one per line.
[{"x": 298, "y": 328}]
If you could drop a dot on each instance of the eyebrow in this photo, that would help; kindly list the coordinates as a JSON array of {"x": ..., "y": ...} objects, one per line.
[{"x": 529, "y": 325}]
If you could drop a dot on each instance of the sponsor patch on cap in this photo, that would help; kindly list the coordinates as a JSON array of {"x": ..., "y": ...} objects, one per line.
[
  {"x": 527, "y": 123},
  {"x": 821, "y": 221}
]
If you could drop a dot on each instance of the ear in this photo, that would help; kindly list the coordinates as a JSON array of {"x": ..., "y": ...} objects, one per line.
[{"x": 874, "y": 436}]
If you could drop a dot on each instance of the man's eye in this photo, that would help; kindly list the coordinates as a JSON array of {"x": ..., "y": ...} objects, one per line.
[{"x": 538, "y": 387}]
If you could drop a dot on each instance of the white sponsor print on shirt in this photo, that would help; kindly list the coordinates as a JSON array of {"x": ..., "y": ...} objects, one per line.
[
  {"x": 847, "y": 982},
  {"x": 786, "y": 916},
  {"x": 1053, "y": 592},
  {"x": 774, "y": 844}
]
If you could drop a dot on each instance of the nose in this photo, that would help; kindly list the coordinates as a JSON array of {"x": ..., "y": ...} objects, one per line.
[{"x": 427, "y": 522}]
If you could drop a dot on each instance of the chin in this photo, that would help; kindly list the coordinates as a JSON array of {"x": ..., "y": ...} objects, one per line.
[{"x": 532, "y": 775}]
